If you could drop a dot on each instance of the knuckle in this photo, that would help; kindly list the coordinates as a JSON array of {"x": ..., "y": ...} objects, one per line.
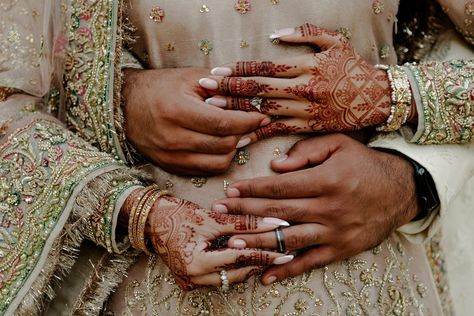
[
  {"x": 221, "y": 165},
  {"x": 275, "y": 210},
  {"x": 223, "y": 125},
  {"x": 278, "y": 190}
]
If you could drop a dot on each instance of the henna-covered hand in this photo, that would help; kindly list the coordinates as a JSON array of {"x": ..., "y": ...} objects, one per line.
[
  {"x": 342, "y": 196},
  {"x": 182, "y": 234},
  {"x": 332, "y": 90}
]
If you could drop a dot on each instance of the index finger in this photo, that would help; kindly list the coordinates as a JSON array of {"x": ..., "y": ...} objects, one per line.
[
  {"x": 290, "y": 185},
  {"x": 211, "y": 120}
]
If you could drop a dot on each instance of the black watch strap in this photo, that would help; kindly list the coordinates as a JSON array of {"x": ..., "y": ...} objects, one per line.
[
  {"x": 428, "y": 198},
  {"x": 425, "y": 188}
]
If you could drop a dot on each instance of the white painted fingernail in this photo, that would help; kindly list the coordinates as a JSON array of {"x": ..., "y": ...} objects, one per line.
[
  {"x": 218, "y": 101},
  {"x": 207, "y": 83},
  {"x": 275, "y": 221},
  {"x": 270, "y": 280},
  {"x": 219, "y": 208},
  {"x": 243, "y": 142},
  {"x": 239, "y": 243},
  {"x": 221, "y": 71},
  {"x": 233, "y": 192},
  {"x": 281, "y": 159},
  {"x": 282, "y": 32},
  {"x": 283, "y": 260}
]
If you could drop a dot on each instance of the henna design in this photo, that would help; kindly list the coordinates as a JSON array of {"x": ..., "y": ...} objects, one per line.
[
  {"x": 241, "y": 222},
  {"x": 245, "y": 104},
  {"x": 173, "y": 236},
  {"x": 276, "y": 129},
  {"x": 243, "y": 87},
  {"x": 256, "y": 258},
  {"x": 345, "y": 92},
  {"x": 311, "y": 30},
  {"x": 264, "y": 68}
]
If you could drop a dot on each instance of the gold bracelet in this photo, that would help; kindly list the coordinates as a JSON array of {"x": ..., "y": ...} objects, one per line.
[
  {"x": 143, "y": 217},
  {"x": 401, "y": 99},
  {"x": 135, "y": 212}
]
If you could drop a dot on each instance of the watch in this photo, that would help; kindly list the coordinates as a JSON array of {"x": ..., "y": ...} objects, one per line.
[
  {"x": 425, "y": 188},
  {"x": 427, "y": 194}
]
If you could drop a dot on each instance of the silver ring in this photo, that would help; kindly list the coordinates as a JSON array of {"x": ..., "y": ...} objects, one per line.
[
  {"x": 225, "y": 281},
  {"x": 280, "y": 237},
  {"x": 256, "y": 102}
]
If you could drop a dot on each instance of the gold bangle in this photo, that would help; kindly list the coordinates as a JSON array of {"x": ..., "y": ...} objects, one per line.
[
  {"x": 143, "y": 217},
  {"x": 135, "y": 213},
  {"x": 401, "y": 99}
]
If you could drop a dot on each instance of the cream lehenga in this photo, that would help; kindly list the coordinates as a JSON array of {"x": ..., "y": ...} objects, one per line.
[{"x": 62, "y": 184}]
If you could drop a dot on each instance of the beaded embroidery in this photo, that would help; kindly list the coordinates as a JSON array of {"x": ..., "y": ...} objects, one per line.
[{"x": 40, "y": 167}]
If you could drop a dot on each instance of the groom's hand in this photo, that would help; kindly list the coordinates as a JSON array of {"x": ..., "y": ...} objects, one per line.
[
  {"x": 341, "y": 196},
  {"x": 169, "y": 123}
]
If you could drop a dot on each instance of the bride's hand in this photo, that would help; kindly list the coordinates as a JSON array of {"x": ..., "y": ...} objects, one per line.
[
  {"x": 332, "y": 90},
  {"x": 182, "y": 233}
]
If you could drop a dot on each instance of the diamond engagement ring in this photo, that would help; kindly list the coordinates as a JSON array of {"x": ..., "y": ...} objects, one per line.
[{"x": 256, "y": 102}]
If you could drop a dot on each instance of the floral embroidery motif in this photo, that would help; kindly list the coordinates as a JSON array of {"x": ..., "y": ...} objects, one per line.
[
  {"x": 205, "y": 46},
  {"x": 378, "y": 6},
  {"x": 40, "y": 167},
  {"x": 243, "y": 6},
  {"x": 353, "y": 287},
  {"x": 447, "y": 94},
  {"x": 89, "y": 76},
  {"x": 469, "y": 8},
  {"x": 157, "y": 14}
]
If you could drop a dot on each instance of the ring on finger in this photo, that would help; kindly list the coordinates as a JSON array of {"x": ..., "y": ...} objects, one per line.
[
  {"x": 225, "y": 281},
  {"x": 256, "y": 102},
  {"x": 280, "y": 237}
]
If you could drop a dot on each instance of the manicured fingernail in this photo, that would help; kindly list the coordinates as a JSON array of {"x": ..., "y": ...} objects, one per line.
[
  {"x": 207, "y": 83},
  {"x": 270, "y": 280},
  {"x": 275, "y": 221},
  {"x": 283, "y": 260},
  {"x": 233, "y": 192},
  {"x": 266, "y": 121},
  {"x": 218, "y": 101},
  {"x": 238, "y": 243},
  {"x": 282, "y": 32},
  {"x": 281, "y": 159},
  {"x": 243, "y": 142},
  {"x": 221, "y": 71},
  {"x": 219, "y": 208}
]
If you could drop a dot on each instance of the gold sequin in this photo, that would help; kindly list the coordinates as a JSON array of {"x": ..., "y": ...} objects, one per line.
[
  {"x": 385, "y": 51},
  {"x": 170, "y": 47},
  {"x": 274, "y": 2},
  {"x": 204, "y": 9},
  {"x": 277, "y": 152},
  {"x": 345, "y": 31},
  {"x": 157, "y": 14},
  {"x": 244, "y": 44},
  {"x": 243, "y": 6},
  {"x": 205, "y": 46},
  {"x": 378, "y": 6},
  {"x": 469, "y": 8},
  {"x": 198, "y": 182},
  {"x": 242, "y": 156}
]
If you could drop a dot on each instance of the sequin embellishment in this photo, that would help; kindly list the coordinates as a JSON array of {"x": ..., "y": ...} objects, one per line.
[
  {"x": 243, "y": 6},
  {"x": 205, "y": 46},
  {"x": 157, "y": 14}
]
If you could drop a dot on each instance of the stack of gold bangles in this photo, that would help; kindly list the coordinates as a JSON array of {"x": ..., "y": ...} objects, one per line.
[
  {"x": 142, "y": 204},
  {"x": 401, "y": 98}
]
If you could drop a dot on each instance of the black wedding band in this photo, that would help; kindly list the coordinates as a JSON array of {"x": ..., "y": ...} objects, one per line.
[{"x": 280, "y": 237}]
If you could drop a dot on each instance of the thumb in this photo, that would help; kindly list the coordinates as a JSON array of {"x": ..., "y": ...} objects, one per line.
[
  {"x": 309, "y": 152},
  {"x": 310, "y": 34}
]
